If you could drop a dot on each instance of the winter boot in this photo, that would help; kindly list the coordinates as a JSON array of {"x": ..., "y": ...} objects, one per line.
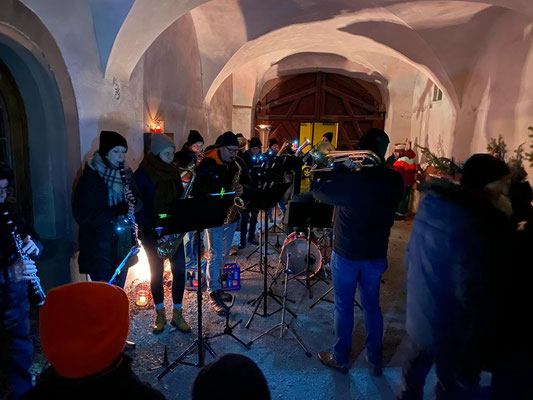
[
  {"x": 160, "y": 321},
  {"x": 179, "y": 322}
]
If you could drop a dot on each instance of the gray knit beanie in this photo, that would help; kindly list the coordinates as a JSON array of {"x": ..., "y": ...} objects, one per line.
[{"x": 160, "y": 142}]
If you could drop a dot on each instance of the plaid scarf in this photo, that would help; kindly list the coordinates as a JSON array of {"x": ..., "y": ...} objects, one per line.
[{"x": 111, "y": 177}]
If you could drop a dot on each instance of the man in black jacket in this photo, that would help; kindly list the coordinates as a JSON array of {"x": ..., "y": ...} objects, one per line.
[
  {"x": 16, "y": 348},
  {"x": 365, "y": 204},
  {"x": 214, "y": 174},
  {"x": 256, "y": 164}
]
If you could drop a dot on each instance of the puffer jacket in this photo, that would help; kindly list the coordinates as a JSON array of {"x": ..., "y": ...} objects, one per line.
[{"x": 456, "y": 252}]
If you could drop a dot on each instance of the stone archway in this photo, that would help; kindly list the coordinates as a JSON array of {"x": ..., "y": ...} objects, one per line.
[{"x": 354, "y": 104}]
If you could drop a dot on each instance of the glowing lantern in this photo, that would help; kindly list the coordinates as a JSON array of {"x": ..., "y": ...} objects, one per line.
[{"x": 142, "y": 298}]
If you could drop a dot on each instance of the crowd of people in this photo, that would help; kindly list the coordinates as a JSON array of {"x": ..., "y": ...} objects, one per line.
[{"x": 466, "y": 266}]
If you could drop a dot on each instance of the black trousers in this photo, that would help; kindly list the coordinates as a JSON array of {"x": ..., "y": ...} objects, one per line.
[
  {"x": 456, "y": 379},
  {"x": 177, "y": 265},
  {"x": 16, "y": 348},
  {"x": 245, "y": 218}
]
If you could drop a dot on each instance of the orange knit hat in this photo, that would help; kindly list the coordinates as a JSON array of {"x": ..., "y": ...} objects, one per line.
[{"x": 84, "y": 327}]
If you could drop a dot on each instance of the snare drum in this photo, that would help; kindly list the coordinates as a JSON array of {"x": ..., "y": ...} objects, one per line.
[{"x": 296, "y": 245}]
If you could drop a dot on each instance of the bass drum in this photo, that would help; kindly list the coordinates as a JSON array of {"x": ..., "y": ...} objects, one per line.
[{"x": 295, "y": 245}]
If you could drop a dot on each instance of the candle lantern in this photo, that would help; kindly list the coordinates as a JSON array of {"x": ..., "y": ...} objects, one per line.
[{"x": 142, "y": 298}]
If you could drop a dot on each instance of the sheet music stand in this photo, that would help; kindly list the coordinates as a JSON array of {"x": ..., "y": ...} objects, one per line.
[
  {"x": 265, "y": 198},
  {"x": 188, "y": 215},
  {"x": 311, "y": 215}
]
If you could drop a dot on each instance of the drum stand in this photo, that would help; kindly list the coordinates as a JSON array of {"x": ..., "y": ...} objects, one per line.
[
  {"x": 263, "y": 263},
  {"x": 323, "y": 298},
  {"x": 308, "y": 285},
  {"x": 284, "y": 327}
]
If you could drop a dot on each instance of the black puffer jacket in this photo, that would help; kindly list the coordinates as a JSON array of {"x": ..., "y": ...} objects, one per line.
[
  {"x": 117, "y": 382},
  {"x": 98, "y": 238},
  {"x": 455, "y": 259}
]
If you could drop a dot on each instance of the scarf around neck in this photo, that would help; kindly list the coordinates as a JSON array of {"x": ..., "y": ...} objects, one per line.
[{"x": 111, "y": 177}]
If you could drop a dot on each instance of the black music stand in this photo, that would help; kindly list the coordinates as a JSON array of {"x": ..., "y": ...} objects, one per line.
[
  {"x": 188, "y": 215},
  {"x": 265, "y": 198},
  {"x": 256, "y": 204},
  {"x": 311, "y": 215}
]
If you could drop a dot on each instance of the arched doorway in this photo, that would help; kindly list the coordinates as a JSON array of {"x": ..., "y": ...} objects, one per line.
[
  {"x": 40, "y": 148},
  {"x": 352, "y": 105},
  {"x": 14, "y": 141}
]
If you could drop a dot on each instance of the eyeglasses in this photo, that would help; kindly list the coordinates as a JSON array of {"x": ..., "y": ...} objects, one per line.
[{"x": 232, "y": 151}]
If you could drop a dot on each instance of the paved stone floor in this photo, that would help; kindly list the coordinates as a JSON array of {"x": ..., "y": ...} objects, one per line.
[{"x": 290, "y": 374}]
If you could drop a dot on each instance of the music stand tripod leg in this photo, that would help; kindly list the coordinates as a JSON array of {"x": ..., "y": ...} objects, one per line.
[
  {"x": 200, "y": 342},
  {"x": 322, "y": 298}
]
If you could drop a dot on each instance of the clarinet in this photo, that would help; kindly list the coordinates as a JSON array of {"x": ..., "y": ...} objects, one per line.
[
  {"x": 131, "y": 215},
  {"x": 35, "y": 281}
]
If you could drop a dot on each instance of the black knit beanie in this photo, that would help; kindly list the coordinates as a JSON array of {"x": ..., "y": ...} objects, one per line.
[
  {"x": 482, "y": 169},
  {"x": 255, "y": 142},
  {"x": 272, "y": 142},
  {"x": 231, "y": 368},
  {"x": 109, "y": 140},
  {"x": 375, "y": 140},
  {"x": 194, "y": 137},
  {"x": 329, "y": 136},
  {"x": 228, "y": 139}
]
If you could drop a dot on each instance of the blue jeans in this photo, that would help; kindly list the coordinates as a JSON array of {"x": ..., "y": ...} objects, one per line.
[
  {"x": 16, "y": 357},
  {"x": 219, "y": 242},
  {"x": 191, "y": 246},
  {"x": 245, "y": 218},
  {"x": 346, "y": 275}
]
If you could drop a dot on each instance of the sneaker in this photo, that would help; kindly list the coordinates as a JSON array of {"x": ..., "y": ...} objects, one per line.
[
  {"x": 130, "y": 345},
  {"x": 160, "y": 321},
  {"x": 216, "y": 304},
  {"x": 179, "y": 322},
  {"x": 225, "y": 296},
  {"x": 328, "y": 360},
  {"x": 253, "y": 241},
  {"x": 242, "y": 246}
]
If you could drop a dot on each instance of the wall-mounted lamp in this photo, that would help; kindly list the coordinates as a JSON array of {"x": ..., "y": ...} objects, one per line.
[{"x": 157, "y": 126}]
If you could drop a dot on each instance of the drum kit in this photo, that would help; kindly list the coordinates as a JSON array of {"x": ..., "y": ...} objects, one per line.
[{"x": 296, "y": 245}]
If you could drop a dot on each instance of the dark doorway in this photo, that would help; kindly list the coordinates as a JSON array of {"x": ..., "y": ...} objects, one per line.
[
  {"x": 14, "y": 142},
  {"x": 355, "y": 105}
]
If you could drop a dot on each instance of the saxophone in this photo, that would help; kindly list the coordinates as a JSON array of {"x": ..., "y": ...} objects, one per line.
[
  {"x": 238, "y": 202},
  {"x": 19, "y": 244},
  {"x": 168, "y": 245}
]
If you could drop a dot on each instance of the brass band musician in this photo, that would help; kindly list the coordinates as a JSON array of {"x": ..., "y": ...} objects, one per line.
[{"x": 220, "y": 170}]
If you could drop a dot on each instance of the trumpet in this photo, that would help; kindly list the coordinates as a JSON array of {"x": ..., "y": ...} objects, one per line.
[
  {"x": 283, "y": 148},
  {"x": 354, "y": 160},
  {"x": 303, "y": 146}
]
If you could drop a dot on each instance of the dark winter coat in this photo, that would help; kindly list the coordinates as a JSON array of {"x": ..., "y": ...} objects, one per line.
[
  {"x": 454, "y": 259},
  {"x": 213, "y": 175},
  {"x": 117, "y": 382},
  {"x": 147, "y": 189},
  {"x": 365, "y": 205},
  {"x": 184, "y": 157},
  {"x": 98, "y": 238}
]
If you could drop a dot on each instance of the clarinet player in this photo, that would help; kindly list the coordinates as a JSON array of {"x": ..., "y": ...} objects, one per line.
[
  {"x": 100, "y": 206},
  {"x": 159, "y": 182},
  {"x": 16, "y": 348}
]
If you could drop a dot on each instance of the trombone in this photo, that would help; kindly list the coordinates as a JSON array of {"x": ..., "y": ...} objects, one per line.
[{"x": 354, "y": 160}]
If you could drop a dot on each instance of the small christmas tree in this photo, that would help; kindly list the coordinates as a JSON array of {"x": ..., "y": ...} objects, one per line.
[{"x": 442, "y": 164}]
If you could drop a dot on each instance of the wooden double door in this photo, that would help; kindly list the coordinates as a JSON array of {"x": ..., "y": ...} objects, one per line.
[{"x": 353, "y": 104}]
